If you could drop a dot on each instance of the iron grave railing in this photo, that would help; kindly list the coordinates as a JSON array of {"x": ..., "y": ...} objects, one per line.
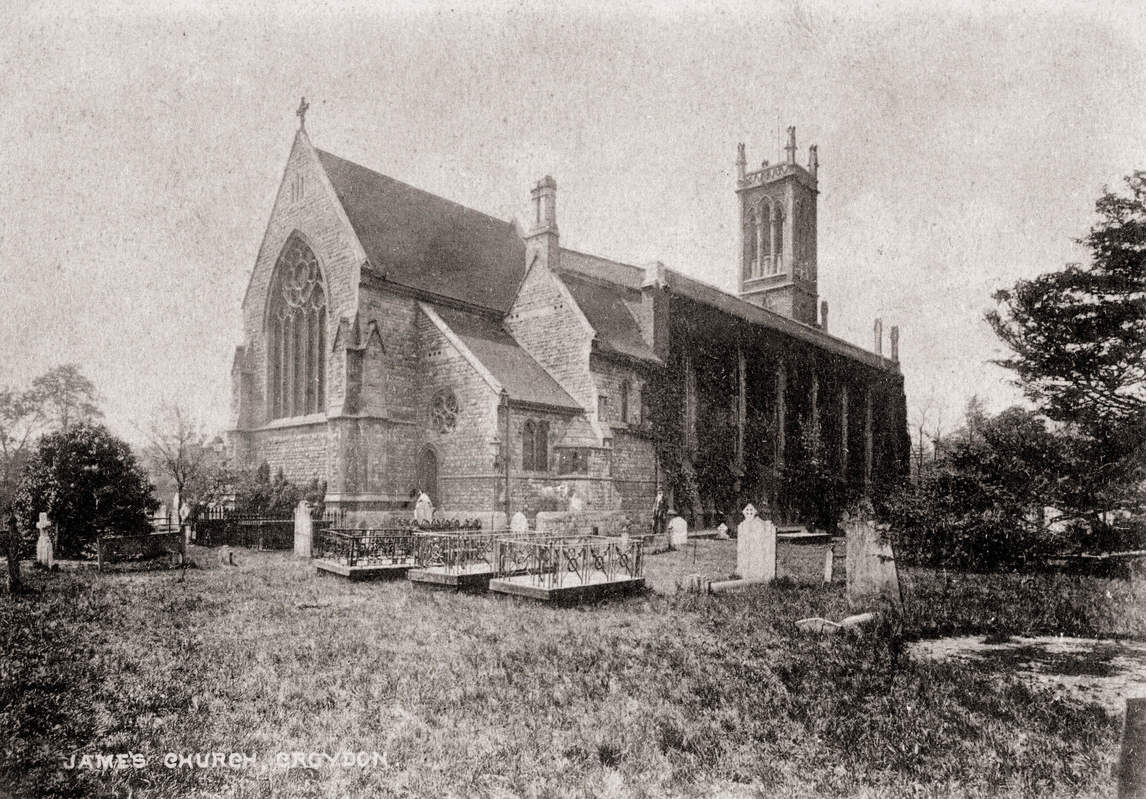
[
  {"x": 367, "y": 547},
  {"x": 558, "y": 562},
  {"x": 466, "y": 550}
]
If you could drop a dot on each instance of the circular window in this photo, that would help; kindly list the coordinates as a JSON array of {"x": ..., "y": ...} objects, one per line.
[{"x": 444, "y": 411}]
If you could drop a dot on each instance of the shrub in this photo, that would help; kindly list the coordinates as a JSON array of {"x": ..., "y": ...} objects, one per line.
[{"x": 90, "y": 484}]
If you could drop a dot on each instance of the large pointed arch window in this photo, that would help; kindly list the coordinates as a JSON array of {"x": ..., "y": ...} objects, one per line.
[{"x": 296, "y": 334}]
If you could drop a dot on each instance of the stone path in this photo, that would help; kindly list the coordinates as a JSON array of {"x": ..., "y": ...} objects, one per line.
[{"x": 1102, "y": 671}]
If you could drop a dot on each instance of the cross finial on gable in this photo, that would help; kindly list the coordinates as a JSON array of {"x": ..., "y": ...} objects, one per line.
[{"x": 303, "y": 105}]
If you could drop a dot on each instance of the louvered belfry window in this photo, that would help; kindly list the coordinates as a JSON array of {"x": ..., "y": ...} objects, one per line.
[{"x": 296, "y": 334}]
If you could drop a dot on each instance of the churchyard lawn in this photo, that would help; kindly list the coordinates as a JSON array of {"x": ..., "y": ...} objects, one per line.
[{"x": 281, "y": 672}]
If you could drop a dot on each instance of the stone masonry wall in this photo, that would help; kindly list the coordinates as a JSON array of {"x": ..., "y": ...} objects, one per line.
[
  {"x": 548, "y": 325},
  {"x": 466, "y": 474},
  {"x": 317, "y": 217},
  {"x": 301, "y": 451}
]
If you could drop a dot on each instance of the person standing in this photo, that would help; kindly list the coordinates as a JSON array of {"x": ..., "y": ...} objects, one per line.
[{"x": 660, "y": 514}]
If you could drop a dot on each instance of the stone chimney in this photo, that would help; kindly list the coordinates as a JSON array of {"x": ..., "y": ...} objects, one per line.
[
  {"x": 544, "y": 196},
  {"x": 824, "y": 315},
  {"x": 877, "y": 335},
  {"x": 543, "y": 240},
  {"x": 895, "y": 343},
  {"x": 653, "y": 312}
]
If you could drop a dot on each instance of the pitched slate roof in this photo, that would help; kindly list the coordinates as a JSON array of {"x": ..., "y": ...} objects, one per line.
[
  {"x": 604, "y": 306},
  {"x": 428, "y": 243},
  {"x": 602, "y": 268},
  {"x": 521, "y": 376}
]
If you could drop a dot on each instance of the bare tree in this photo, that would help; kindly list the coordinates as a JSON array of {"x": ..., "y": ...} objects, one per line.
[{"x": 178, "y": 447}]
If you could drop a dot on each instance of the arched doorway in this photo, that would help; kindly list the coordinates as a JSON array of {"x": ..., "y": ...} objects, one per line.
[{"x": 428, "y": 475}]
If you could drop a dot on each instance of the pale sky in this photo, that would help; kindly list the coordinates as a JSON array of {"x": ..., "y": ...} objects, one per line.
[{"x": 961, "y": 148}]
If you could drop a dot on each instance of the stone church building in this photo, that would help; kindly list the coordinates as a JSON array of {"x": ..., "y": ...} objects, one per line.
[{"x": 394, "y": 340}]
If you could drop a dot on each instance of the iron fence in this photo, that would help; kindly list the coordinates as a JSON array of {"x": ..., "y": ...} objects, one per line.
[
  {"x": 211, "y": 527},
  {"x": 367, "y": 547},
  {"x": 460, "y": 551},
  {"x": 560, "y": 561}
]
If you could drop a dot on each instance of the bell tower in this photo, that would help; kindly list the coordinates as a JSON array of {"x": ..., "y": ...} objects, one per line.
[{"x": 778, "y": 233}]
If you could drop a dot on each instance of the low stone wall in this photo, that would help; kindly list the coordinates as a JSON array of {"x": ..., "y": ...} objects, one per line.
[{"x": 804, "y": 563}]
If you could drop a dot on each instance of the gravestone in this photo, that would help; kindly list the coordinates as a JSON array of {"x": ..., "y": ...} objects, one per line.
[
  {"x": 722, "y": 532},
  {"x": 755, "y": 547},
  {"x": 45, "y": 551},
  {"x": 678, "y": 532},
  {"x": 162, "y": 513},
  {"x": 872, "y": 576},
  {"x": 303, "y": 530},
  {"x": 519, "y": 524},
  {"x": 423, "y": 509}
]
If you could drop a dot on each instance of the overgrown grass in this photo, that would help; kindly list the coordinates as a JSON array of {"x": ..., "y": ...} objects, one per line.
[
  {"x": 476, "y": 695},
  {"x": 953, "y": 603}
]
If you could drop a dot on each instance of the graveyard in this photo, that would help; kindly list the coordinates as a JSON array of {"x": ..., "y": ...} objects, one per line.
[{"x": 664, "y": 692}]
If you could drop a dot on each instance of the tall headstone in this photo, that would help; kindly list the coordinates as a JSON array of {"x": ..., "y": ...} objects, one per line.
[
  {"x": 678, "y": 532},
  {"x": 755, "y": 547},
  {"x": 519, "y": 524},
  {"x": 423, "y": 509},
  {"x": 576, "y": 502},
  {"x": 303, "y": 530},
  {"x": 45, "y": 551},
  {"x": 872, "y": 577}
]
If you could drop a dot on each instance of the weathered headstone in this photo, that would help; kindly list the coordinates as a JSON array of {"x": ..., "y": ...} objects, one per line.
[
  {"x": 678, "y": 532},
  {"x": 423, "y": 508},
  {"x": 722, "y": 532},
  {"x": 755, "y": 547},
  {"x": 303, "y": 529},
  {"x": 518, "y": 524},
  {"x": 45, "y": 552},
  {"x": 872, "y": 576}
]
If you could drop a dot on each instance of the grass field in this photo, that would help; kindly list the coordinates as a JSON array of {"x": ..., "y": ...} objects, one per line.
[{"x": 480, "y": 695}]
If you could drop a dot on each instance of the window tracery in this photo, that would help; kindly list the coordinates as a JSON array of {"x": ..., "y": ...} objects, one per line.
[{"x": 296, "y": 334}]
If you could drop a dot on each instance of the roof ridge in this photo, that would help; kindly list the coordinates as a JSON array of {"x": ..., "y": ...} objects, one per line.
[{"x": 606, "y": 259}]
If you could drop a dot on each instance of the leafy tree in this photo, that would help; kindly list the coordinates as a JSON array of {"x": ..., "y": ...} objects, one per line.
[
  {"x": 1078, "y": 337},
  {"x": 980, "y": 503},
  {"x": 67, "y": 396},
  {"x": 89, "y": 483},
  {"x": 1078, "y": 334},
  {"x": 257, "y": 493},
  {"x": 21, "y": 418}
]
